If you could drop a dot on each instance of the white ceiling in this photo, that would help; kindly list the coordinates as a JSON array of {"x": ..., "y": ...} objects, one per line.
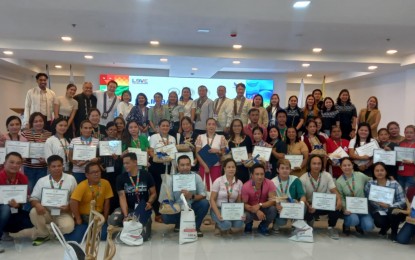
[{"x": 276, "y": 37}]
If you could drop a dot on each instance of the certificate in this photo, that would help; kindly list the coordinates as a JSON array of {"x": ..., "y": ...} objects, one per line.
[
  {"x": 357, "y": 205},
  {"x": 239, "y": 154},
  {"x": 381, "y": 194},
  {"x": 367, "y": 149},
  {"x": 84, "y": 152},
  {"x": 19, "y": 147},
  {"x": 184, "y": 182},
  {"x": 37, "y": 150},
  {"x": 10, "y": 192},
  {"x": 142, "y": 157},
  {"x": 54, "y": 197},
  {"x": 232, "y": 211},
  {"x": 403, "y": 153},
  {"x": 170, "y": 149},
  {"x": 338, "y": 154},
  {"x": 108, "y": 148},
  {"x": 2, "y": 155},
  {"x": 292, "y": 210},
  {"x": 264, "y": 152},
  {"x": 324, "y": 201},
  {"x": 189, "y": 154},
  {"x": 295, "y": 160},
  {"x": 387, "y": 157}
]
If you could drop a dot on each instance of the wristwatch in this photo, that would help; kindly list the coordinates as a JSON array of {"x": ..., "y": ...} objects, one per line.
[
  {"x": 260, "y": 205},
  {"x": 193, "y": 196}
]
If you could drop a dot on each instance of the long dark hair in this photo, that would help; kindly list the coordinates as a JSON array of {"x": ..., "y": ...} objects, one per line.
[
  {"x": 339, "y": 101},
  {"x": 297, "y": 138},
  {"x": 126, "y": 136},
  {"x": 324, "y": 108},
  {"x": 225, "y": 162},
  {"x": 369, "y": 137},
  {"x": 231, "y": 133}
]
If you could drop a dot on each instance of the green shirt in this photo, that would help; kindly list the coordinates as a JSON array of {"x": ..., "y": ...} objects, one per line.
[
  {"x": 360, "y": 181},
  {"x": 144, "y": 144},
  {"x": 295, "y": 189}
]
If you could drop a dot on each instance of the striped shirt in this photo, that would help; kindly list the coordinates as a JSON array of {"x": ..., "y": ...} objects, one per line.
[
  {"x": 78, "y": 141},
  {"x": 32, "y": 136}
]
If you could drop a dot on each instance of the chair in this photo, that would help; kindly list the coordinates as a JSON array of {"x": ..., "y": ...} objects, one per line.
[
  {"x": 93, "y": 236},
  {"x": 110, "y": 248}
]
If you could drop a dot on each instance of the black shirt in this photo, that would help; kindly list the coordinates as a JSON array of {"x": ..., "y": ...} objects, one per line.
[
  {"x": 84, "y": 104},
  {"x": 144, "y": 185},
  {"x": 329, "y": 118},
  {"x": 294, "y": 116}
]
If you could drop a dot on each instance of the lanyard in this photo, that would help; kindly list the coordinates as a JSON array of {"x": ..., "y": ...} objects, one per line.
[
  {"x": 211, "y": 142},
  {"x": 91, "y": 188},
  {"x": 239, "y": 111},
  {"x": 135, "y": 185},
  {"x": 258, "y": 194},
  {"x": 64, "y": 147},
  {"x": 53, "y": 186},
  {"x": 171, "y": 109},
  {"x": 286, "y": 186},
  {"x": 98, "y": 135},
  {"x": 136, "y": 143},
  {"x": 106, "y": 112},
  {"x": 164, "y": 142},
  {"x": 86, "y": 141},
  {"x": 86, "y": 106},
  {"x": 312, "y": 181},
  {"x": 229, "y": 190},
  {"x": 216, "y": 110},
  {"x": 348, "y": 185},
  {"x": 10, "y": 182}
]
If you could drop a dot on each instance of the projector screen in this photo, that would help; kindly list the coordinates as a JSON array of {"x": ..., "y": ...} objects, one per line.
[{"x": 164, "y": 85}]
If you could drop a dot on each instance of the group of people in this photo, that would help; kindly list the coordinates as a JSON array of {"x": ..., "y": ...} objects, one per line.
[{"x": 121, "y": 187}]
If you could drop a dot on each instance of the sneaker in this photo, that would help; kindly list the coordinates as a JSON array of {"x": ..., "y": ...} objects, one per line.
[
  {"x": 263, "y": 229},
  {"x": 176, "y": 229},
  {"x": 393, "y": 237},
  {"x": 6, "y": 237},
  {"x": 311, "y": 223},
  {"x": 382, "y": 234},
  {"x": 40, "y": 240},
  {"x": 346, "y": 230},
  {"x": 1, "y": 248},
  {"x": 199, "y": 232},
  {"x": 333, "y": 234},
  {"x": 275, "y": 229},
  {"x": 248, "y": 228},
  {"x": 359, "y": 230}
]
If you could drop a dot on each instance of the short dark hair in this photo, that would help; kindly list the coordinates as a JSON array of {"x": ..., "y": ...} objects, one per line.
[
  {"x": 13, "y": 154},
  {"x": 316, "y": 90},
  {"x": 141, "y": 95},
  {"x": 384, "y": 167},
  {"x": 132, "y": 156},
  {"x": 255, "y": 166},
  {"x": 253, "y": 110},
  {"x": 163, "y": 120},
  {"x": 339, "y": 101},
  {"x": 128, "y": 92},
  {"x": 92, "y": 164},
  {"x": 312, "y": 157},
  {"x": 41, "y": 74},
  {"x": 54, "y": 158},
  {"x": 70, "y": 85},
  {"x": 92, "y": 109},
  {"x": 183, "y": 157},
  {"x": 110, "y": 124},
  {"x": 33, "y": 116},
  {"x": 240, "y": 85},
  {"x": 281, "y": 111},
  {"x": 112, "y": 81},
  {"x": 225, "y": 162}
]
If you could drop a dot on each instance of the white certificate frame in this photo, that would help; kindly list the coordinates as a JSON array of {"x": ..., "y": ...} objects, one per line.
[
  {"x": 357, "y": 205},
  {"x": 54, "y": 198},
  {"x": 108, "y": 148},
  {"x": 190, "y": 154},
  {"x": 239, "y": 153},
  {"x": 19, "y": 147},
  {"x": 339, "y": 153},
  {"x": 292, "y": 210},
  {"x": 142, "y": 156},
  {"x": 324, "y": 201},
  {"x": 232, "y": 211},
  {"x": 367, "y": 149},
  {"x": 37, "y": 150},
  {"x": 295, "y": 160},
  {"x": 83, "y": 152},
  {"x": 387, "y": 157},
  {"x": 184, "y": 182},
  {"x": 404, "y": 153},
  {"x": 170, "y": 149},
  {"x": 264, "y": 152},
  {"x": 381, "y": 194},
  {"x": 17, "y": 192}
]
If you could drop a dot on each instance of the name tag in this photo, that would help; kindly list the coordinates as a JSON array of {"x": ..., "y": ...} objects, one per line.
[
  {"x": 110, "y": 169},
  {"x": 55, "y": 212}
]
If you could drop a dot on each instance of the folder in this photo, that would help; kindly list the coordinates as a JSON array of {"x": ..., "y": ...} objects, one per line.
[{"x": 209, "y": 158}]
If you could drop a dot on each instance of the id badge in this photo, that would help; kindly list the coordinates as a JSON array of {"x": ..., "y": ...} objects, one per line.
[
  {"x": 135, "y": 206},
  {"x": 110, "y": 169},
  {"x": 401, "y": 168},
  {"x": 13, "y": 210},
  {"x": 104, "y": 115},
  {"x": 66, "y": 167},
  {"x": 55, "y": 212},
  {"x": 198, "y": 111},
  {"x": 34, "y": 161}
]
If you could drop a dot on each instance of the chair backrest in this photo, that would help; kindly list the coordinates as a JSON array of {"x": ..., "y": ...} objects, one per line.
[
  {"x": 110, "y": 248},
  {"x": 93, "y": 236}
]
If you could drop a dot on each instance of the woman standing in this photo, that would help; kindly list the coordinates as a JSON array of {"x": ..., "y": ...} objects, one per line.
[
  {"x": 364, "y": 136},
  {"x": 186, "y": 101},
  {"x": 279, "y": 148},
  {"x": 258, "y": 103},
  {"x": 406, "y": 170},
  {"x": 58, "y": 144},
  {"x": 272, "y": 109},
  {"x": 347, "y": 114},
  {"x": 98, "y": 130},
  {"x": 124, "y": 107},
  {"x": 188, "y": 137},
  {"x": 139, "y": 113},
  {"x": 295, "y": 117},
  {"x": 175, "y": 112},
  {"x": 296, "y": 147},
  {"x": 66, "y": 107},
  {"x": 120, "y": 124},
  {"x": 310, "y": 110},
  {"x": 157, "y": 113},
  {"x": 371, "y": 115},
  {"x": 394, "y": 132},
  {"x": 329, "y": 115}
]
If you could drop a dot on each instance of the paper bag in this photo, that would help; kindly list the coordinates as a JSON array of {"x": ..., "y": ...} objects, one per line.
[
  {"x": 188, "y": 231},
  {"x": 302, "y": 232}
]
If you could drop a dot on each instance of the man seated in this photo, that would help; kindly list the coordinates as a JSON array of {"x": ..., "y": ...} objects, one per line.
[
  {"x": 12, "y": 217},
  {"x": 93, "y": 188},
  {"x": 41, "y": 215},
  {"x": 196, "y": 199},
  {"x": 136, "y": 192},
  {"x": 258, "y": 196}
]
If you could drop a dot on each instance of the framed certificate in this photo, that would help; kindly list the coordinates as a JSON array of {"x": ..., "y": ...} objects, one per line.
[
  {"x": 324, "y": 201},
  {"x": 232, "y": 211},
  {"x": 264, "y": 152},
  {"x": 170, "y": 149},
  {"x": 381, "y": 194},
  {"x": 292, "y": 210},
  {"x": 190, "y": 154},
  {"x": 54, "y": 197},
  {"x": 295, "y": 160},
  {"x": 19, "y": 147},
  {"x": 403, "y": 153},
  {"x": 184, "y": 182},
  {"x": 37, "y": 150},
  {"x": 16, "y": 192},
  {"x": 84, "y": 152},
  {"x": 338, "y": 154},
  {"x": 2, "y": 155},
  {"x": 108, "y": 148},
  {"x": 387, "y": 157},
  {"x": 367, "y": 149},
  {"x": 142, "y": 157},
  {"x": 357, "y": 205},
  {"x": 239, "y": 154}
]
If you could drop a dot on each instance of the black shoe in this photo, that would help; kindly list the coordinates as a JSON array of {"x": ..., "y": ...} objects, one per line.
[
  {"x": 176, "y": 229},
  {"x": 393, "y": 237},
  {"x": 248, "y": 228},
  {"x": 359, "y": 230},
  {"x": 199, "y": 233},
  {"x": 346, "y": 230}
]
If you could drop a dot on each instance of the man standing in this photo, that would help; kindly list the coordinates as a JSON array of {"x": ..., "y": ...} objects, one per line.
[
  {"x": 282, "y": 123},
  {"x": 39, "y": 99},
  {"x": 241, "y": 105},
  {"x": 107, "y": 102},
  {"x": 137, "y": 192},
  {"x": 202, "y": 109},
  {"x": 41, "y": 215},
  {"x": 86, "y": 101},
  {"x": 222, "y": 111},
  {"x": 254, "y": 118}
]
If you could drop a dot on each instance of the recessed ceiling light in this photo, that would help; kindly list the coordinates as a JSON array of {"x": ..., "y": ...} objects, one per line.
[
  {"x": 317, "y": 50},
  {"x": 8, "y": 52},
  {"x": 306, "y": 65},
  {"x": 237, "y": 46},
  {"x": 154, "y": 42},
  {"x": 391, "y": 52},
  {"x": 66, "y": 38},
  {"x": 194, "y": 69},
  {"x": 301, "y": 4},
  {"x": 203, "y": 31},
  {"x": 164, "y": 60},
  {"x": 372, "y": 67},
  {"x": 309, "y": 75},
  {"x": 236, "y": 62},
  {"x": 58, "y": 66},
  {"x": 89, "y": 57}
]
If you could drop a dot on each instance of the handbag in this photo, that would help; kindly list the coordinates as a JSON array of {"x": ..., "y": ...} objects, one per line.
[
  {"x": 131, "y": 232},
  {"x": 167, "y": 206},
  {"x": 188, "y": 231},
  {"x": 73, "y": 250}
]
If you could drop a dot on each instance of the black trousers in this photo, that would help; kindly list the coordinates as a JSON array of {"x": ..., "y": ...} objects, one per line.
[
  {"x": 333, "y": 216},
  {"x": 389, "y": 221}
]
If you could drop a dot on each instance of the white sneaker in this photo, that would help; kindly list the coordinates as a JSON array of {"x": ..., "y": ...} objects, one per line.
[
  {"x": 275, "y": 229},
  {"x": 333, "y": 234},
  {"x": 1, "y": 248}
]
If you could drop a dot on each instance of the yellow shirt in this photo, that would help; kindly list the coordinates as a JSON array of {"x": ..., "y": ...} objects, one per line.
[{"x": 83, "y": 194}]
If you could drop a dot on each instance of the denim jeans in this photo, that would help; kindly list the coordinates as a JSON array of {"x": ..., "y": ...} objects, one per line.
[
  {"x": 78, "y": 233},
  {"x": 200, "y": 208},
  {"x": 4, "y": 217},
  {"x": 226, "y": 224},
  {"x": 270, "y": 214},
  {"x": 34, "y": 174},
  {"x": 13, "y": 222},
  {"x": 406, "y": 233},
  {"x": 406, "y": 181},
  {"x": 79, "y": 176},
  {"x": 365, "y": 221}
]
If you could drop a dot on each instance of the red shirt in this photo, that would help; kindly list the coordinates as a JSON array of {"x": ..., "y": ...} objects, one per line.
[
  {"x": 410, "y": 193},
  {"x": 408, "y": 169},
  {"x": 248, "y": 131},
  {"x": 252, "y": 197},
  {"x": 20, "y": 178},
  {"x": 331, "y": 146}
]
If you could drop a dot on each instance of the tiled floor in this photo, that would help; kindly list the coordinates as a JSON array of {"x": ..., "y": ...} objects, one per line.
[{"x": 164, "y": 245}]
